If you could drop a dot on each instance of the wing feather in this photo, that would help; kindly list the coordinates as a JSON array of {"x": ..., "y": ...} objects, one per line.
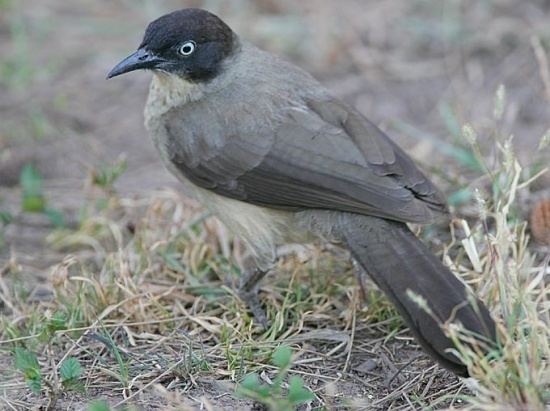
[{"x": 324, "y": 155}]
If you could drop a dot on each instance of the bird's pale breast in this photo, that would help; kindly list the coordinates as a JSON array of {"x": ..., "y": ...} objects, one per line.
[{"x": 262, "y": 229}]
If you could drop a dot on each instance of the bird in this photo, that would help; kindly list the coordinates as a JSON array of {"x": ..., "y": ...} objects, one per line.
[{"x": 280, "y": 160}]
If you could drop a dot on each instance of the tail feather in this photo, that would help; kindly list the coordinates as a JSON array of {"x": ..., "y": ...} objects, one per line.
[{"x": 399, "y": 263}]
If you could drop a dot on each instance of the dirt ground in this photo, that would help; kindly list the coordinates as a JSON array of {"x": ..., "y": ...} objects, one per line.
[{"x": 418, "y": 68}]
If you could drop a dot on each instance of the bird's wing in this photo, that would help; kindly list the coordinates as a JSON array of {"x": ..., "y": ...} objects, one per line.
[{"x": 321, "y": 156}]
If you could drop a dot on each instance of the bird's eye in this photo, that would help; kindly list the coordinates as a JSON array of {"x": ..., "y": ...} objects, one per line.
[{"x": 187, "y": 48}]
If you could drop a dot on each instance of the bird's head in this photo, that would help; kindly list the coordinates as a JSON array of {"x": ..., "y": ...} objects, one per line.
[{"x": 190, "y": 43}]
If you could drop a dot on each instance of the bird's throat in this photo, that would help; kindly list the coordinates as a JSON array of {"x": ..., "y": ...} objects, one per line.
[{"x": 168, "y": 91}]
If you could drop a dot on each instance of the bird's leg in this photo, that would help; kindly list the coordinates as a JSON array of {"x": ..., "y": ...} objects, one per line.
[
  {"x": 360, "y": 275},
  {"x": 248, "y": 287},
  {"x": 248, "y": 291}
]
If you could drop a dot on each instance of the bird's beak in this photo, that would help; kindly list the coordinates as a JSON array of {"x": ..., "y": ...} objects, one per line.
[{"x": 141, "y": 59}]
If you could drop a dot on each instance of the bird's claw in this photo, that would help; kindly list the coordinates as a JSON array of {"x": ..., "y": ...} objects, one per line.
[
  {"x": 248, "y": 292},
  {"x": 252, "y": 300}
]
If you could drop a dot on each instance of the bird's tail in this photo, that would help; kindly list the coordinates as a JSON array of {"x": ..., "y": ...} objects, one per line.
[{"x": 399, "y": 264}]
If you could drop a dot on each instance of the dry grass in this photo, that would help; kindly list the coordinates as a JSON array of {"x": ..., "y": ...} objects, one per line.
[
  {"x": 144, "y": 300},
  {"x": 164, "y": 299},
  {"x": 513, "y": 278}
]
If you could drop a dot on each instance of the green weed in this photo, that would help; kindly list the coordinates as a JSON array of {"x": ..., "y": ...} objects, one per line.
[
  {"x": 26, "y": 362},
  {"x": 99, "y": 406},
  {"x": 274, "y": 395},
  {"x": 33, "y": 198}
]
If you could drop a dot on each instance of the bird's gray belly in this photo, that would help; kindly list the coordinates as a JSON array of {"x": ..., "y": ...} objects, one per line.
[{"x": 262, "y": 229}]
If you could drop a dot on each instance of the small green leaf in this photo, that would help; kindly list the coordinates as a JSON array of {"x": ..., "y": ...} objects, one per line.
[
  {"x": 74, "y": 385},
  {"x": 251, "y": 382},
  {"x": 70, "y": 369},
  {"x": 251, "y": 387},
  {"x": 99, "y": 406},
  {"x": 57, "y": 322},
  {"x": 55, "y": 216},
  {"x": 297, "y": 394},
  {"x": 31, "y": 181},
  {"x": 172, "y": 261},
  {"x": 25, "y": 360},
  {"x": 33, "y": 204},
  {"x": 265, "y": 391},
  {"x": 107, "y": 176},
  {"x": 31, "y": 186},
  {"x": 27, "y": 363},
  {"x": 282, "y": 356},
  {"x": 35, "y": 385},
  {"x": 5, "y": 217}
]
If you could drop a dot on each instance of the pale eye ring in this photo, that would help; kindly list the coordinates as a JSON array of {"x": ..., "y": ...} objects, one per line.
[{"x": 187, "y": 48}]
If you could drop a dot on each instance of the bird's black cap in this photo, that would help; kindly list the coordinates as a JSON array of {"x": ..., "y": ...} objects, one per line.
[
  {"x": 187, "y": 24},
  {"x": 191, "y": 43}
]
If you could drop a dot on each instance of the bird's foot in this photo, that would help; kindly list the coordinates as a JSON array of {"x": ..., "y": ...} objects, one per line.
[
  {"x": 248, "y": 292},
  {"x": 361, "y": 277},
  {"x": 252, "y": 300}
]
